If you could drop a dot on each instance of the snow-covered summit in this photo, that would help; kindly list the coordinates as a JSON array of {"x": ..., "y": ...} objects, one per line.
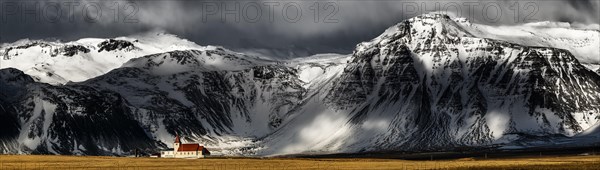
[
  {"x": 583, "y": 43},
  {"x": 420, "y": 27}
]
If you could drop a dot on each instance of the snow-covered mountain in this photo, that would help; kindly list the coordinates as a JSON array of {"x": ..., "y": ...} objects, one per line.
[
  {"x": 61, "y": 62},
  {"x": 428, "y": 83},
  {"x": 213, "y": 96}
]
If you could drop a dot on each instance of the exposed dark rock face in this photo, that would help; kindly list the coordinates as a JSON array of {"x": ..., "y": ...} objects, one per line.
[
  {"x": 66, "y": 119},
  {"x": 71, "y": 50},
  {"x": 112, "y": 44},
  {"x": 6, "y": 54},
  {"x": 12, "y": 87}
]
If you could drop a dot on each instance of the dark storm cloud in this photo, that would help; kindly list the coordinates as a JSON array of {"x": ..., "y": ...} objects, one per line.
[{"x": 268, "y": 27}]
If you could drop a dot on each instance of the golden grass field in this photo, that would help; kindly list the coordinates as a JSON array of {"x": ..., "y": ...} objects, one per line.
[{"x": 100, "y": 162}]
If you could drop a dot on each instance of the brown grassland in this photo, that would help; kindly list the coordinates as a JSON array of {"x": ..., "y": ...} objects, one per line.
[{"x": 102, "y": 162}]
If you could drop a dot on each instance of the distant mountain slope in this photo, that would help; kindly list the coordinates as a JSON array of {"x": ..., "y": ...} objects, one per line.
[
  {"x": 59, "y": 63},
  {"x": 582, "y": 43}
]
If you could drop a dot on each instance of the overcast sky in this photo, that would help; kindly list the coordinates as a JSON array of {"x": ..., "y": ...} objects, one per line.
[{"x": 271, "y": 27}]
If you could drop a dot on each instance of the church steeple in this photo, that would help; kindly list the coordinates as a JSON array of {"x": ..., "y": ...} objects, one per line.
[
  {"x": 176, "y": 144},
  {"x": 177, "y": 139}
]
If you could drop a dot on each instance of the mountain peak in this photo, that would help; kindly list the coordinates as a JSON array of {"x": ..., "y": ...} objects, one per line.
[
  {"x": 434, "y": 15},
  {"x": 442, "y": 24},
  {"x": 427, "y": 28}
]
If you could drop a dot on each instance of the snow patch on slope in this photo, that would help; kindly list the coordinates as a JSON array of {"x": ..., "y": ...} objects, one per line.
[{"x": 583, "y": 43}]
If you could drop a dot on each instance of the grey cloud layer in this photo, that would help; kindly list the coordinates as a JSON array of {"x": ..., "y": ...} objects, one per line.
[{"x": 352, "y": 21}]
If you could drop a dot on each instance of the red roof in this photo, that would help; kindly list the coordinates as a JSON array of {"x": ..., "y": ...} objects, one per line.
[{"x": 190, "y": 147}]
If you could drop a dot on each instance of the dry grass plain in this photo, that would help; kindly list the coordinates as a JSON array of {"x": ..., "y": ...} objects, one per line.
[{"x": 100, "y": 162}]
